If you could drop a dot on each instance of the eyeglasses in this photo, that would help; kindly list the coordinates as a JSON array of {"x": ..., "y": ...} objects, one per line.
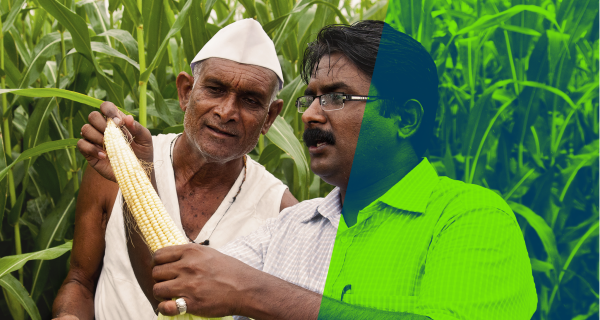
[{"x": 330, "y": 101}]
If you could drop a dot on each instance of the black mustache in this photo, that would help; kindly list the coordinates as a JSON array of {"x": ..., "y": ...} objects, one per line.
[{"x": 314, "y": 136}]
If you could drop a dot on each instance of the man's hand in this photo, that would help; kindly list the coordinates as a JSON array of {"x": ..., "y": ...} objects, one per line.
[
  {"x": 211, "y": 283},
  {"x": 92, "y": 144}
]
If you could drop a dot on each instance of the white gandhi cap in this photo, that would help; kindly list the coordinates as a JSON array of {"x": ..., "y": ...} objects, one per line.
[{"x": 243, "y": 41}]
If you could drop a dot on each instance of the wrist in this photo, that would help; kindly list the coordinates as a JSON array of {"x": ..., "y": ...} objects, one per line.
[
  {"x": 268, "y": 297},
  {"x": 251, "y": 296}
]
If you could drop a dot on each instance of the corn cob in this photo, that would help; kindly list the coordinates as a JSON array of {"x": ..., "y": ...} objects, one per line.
[
  {"x": 152, "y": 218},
  {"x": 150, "y": 215}
]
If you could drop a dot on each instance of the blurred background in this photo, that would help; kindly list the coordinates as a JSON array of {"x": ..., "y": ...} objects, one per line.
[{"x": 518, "y": 114}]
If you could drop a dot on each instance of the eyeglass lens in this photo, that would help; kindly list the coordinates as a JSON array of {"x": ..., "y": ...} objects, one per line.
[{"x": 330, "y": 101}]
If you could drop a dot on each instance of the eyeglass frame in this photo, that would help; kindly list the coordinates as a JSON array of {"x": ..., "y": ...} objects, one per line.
[{"x": 346, "y": 97}]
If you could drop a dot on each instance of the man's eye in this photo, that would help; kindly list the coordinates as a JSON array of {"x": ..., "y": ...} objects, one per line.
[
  {"x": 251, "y": 101},
  {"x": 214, "y": 90}
]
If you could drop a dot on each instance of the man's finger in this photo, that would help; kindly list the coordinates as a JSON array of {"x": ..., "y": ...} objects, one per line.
[
  {"x": 89, "y": 133},
  {"x": 168, "y": 254},
  {"x": 91, "y": 152},
  {"x": 168, "y": 308},
  {"x": 168, "y": 289},
  {"x": 141, "y": 134},
  {"x": 110, "y": 110},
  {"x": 96, "y": 119},
  {"x": 165, "y": 272}
]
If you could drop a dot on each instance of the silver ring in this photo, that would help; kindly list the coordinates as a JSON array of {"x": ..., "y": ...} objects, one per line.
[{"x": 181, "y": 305}]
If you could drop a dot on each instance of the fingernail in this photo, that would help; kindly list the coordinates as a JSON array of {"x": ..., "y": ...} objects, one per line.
[
  {"x": 117, "y": 121},
  {"x": 101, "y": 154}
]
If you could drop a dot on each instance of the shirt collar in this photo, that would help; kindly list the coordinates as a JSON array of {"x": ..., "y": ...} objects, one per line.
[
  {"x": 412, "y": 192},
  {"x": 330, "y": 208}
]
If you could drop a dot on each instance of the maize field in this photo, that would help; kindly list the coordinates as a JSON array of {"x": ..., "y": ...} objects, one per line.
[{"x": 518, "y": 114}]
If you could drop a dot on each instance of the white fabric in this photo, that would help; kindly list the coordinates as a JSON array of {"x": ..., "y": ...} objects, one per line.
[
  {"x": 243, "y": 41},
  {"x": 118, "y": 295},
  {"x": 296, "y": 246}
]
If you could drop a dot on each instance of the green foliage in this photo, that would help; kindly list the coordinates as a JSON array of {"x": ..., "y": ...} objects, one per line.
[
  {"x": 62, "y": 58},
  {"x": 519, "y": 114}
]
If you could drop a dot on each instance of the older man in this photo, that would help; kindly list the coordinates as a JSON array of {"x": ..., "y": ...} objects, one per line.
[
  {"x": 407, "y": 243},
  {"x": 211, "y": 189}
]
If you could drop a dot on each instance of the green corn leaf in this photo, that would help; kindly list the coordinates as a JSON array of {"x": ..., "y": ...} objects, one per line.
[
  {"x": 181, "y": 19},
  {"x": 20, "y": 45},
  {"x": 81, "y": 40},
  {"x": 282, "y": 134},
  {"x": 543, "y": 231},
  {"x": 11, "y": 263},
  {"x": 38, "y": 150},
  {"x": 12, "y": 15},
  {"x": 521, "y": 30},
  {"x": 496, "y": 19},
  {"x": 132, "y": 11},
  {"x": 287, "y": 26},
  {"x": 126, "y": 39},
  {"x": 19, "y": 293},
  {"x": 37, "y": 126},
  {"x": 250, "y": 8},
  {"x": 3, "y": 182},
  {"x": 289, "y": 93},
  {"x": 48, "y": 46},
  {"x": 194, "y": 34},
  {"x": 270, "y": 153},
  {"x": 107, "y": 50},
  {"x": 61, "y": 93},
  {"x": 157, "y": 30},
  {"x": 593, "y": 229},
  {"x": 173, "y": 129},
  {"x": 52, "y": 230},
  {"x": 96, "y": 13}
]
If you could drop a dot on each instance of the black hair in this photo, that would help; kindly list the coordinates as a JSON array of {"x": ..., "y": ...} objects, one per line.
[{"x": 399, "y": 67}]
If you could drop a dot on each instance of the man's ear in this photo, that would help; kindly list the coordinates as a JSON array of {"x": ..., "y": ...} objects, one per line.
[
  {"x": 274, "y": 111},
  {"x": 184, "y": 83},
  {"x": 408, "y": 119}
]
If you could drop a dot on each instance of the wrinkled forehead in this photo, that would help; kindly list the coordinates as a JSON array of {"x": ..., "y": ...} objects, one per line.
[{"x": 233, "y": 73}]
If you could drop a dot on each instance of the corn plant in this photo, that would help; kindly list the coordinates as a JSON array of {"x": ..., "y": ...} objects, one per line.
[
  {"x": 519, "y": 115},
  {"x": 61, "y": 58}
]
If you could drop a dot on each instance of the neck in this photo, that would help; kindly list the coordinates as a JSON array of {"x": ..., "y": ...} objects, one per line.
[
  {"x": 369, "y": 182},
  {"x": 192, "y": 169}
]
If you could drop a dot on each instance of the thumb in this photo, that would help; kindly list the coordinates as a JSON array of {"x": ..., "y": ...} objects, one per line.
[
  {"x": 168, "y": 308},
  {"x": 141, "y": 135}
]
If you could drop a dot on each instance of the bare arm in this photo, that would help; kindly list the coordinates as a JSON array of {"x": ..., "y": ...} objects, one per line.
[
  {"x": 214, "y": 285},
  {"x": 94, "y": 203},
  {"x": 78, "y": 290},
  {"x": 287, "y": 200},
  {"x": 141, "y": 260}
]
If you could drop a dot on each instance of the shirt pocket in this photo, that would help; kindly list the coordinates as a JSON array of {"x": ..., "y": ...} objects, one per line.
[{"x": 393, "y": 303}]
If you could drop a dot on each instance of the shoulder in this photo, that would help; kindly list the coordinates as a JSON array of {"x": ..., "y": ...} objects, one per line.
[
  {"x": 258, "y": 174},
  {"x": 302, "y": 211},
  {"x": 458, "y": 198},
  {"x": 265, "y": 190},
  {"x": 162, "y": 138}
]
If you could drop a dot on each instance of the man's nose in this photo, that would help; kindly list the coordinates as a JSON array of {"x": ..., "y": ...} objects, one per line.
[
  {"x": 314, "y": 114},
  {"x": 228, "y": 109}
]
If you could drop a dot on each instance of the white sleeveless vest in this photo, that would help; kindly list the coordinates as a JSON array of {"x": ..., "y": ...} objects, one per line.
[{"x": 118, "y": 295}]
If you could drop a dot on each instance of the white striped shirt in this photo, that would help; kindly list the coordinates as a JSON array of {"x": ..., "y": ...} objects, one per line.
[{"x": 296, "y": 246}]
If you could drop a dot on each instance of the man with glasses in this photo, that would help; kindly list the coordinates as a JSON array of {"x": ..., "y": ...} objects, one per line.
[{"x": 392, "y": 240}]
